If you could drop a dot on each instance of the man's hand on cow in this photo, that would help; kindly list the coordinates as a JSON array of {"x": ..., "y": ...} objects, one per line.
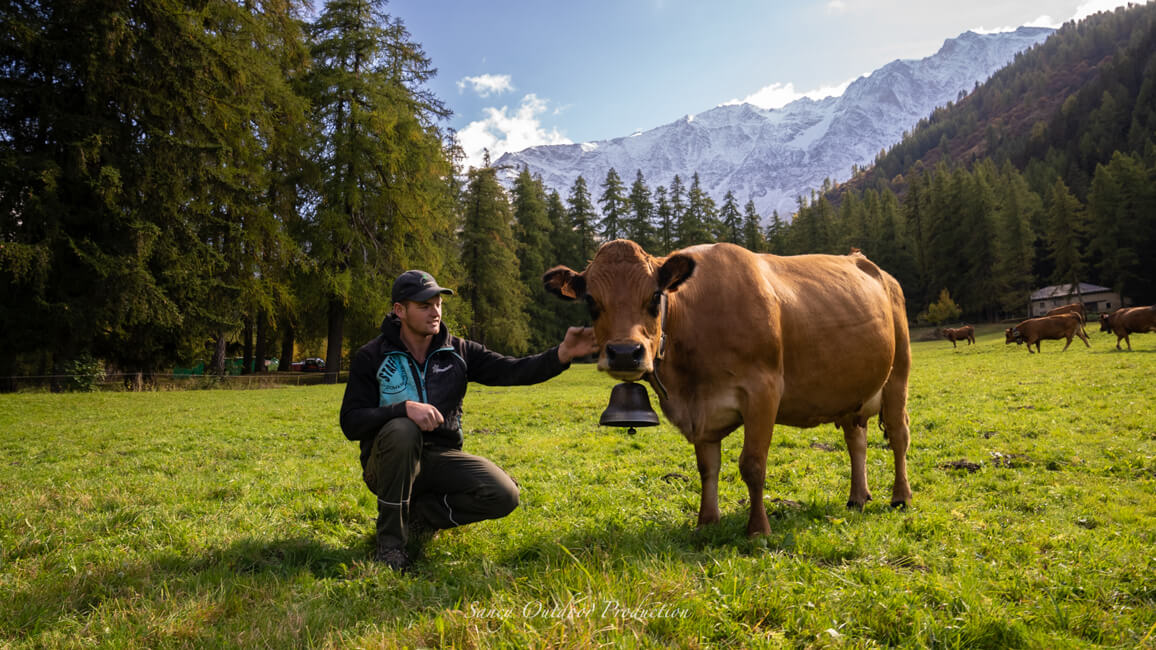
[
  {"x": 579, "y": 342},
  {"x": 425, "y": 416}
]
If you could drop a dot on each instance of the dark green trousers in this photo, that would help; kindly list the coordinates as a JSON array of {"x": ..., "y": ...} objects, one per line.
[{"x": 439, "y": 487}]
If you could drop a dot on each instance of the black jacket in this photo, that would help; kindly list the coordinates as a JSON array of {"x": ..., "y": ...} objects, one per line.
[{"x": 384, "y": 375}]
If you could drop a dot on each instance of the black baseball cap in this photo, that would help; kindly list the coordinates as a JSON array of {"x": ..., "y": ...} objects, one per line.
[{"x": 417, "y": 286}]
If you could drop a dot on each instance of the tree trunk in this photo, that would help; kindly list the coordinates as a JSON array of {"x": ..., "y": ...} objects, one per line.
[
  {"x": 262, "y": 333},
  {"x": 336, "y": 332},
  {"x": 247, "y": 346},
  {"x": 285, "y": 364},
  {"x": 217, "y": 364}
]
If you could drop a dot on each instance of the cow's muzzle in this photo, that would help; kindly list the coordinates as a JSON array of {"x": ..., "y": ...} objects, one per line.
[{"x": 625, "y": 357}]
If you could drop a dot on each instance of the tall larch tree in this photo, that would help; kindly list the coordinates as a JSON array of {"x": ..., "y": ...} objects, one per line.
[{"x": 385, "y": 202}]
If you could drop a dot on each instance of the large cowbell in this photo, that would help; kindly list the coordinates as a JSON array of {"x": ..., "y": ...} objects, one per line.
[{"x": 629, "y": 407}]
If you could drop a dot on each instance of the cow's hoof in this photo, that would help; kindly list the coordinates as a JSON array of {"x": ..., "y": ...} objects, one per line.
[
  {"x": 851, "y": 505},
  {"x": 898, "y": 505}
]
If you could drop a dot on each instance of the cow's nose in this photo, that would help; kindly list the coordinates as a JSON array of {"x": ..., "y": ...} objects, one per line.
[{"x": 624, "y": 356}]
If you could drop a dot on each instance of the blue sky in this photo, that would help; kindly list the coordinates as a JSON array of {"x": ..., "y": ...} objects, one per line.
[{"x": 519, "y": 73}]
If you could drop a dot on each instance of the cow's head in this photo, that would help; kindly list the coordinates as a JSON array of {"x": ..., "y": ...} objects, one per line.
[
  {"x": 1012, "y": 334},
  {"x": 1104, "y": 325},
  {"x": 623, "y": 288}
]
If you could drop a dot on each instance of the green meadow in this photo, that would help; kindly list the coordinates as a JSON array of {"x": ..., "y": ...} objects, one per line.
[{"x": 238, "y": 519}]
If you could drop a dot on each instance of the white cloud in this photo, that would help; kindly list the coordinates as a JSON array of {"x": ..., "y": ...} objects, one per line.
[
  {"x": 836, "y": 7},
  {"x": 504, "y": 130},
  {"x": 487, "y": 84},
  {"x": 778, "y": 95}
]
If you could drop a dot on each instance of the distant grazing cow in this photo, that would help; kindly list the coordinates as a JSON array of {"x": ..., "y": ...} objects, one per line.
[
  {"x": 1129, "y": 320},
  {"x": 729, "y": 338},
  {"x": 1033, "y": 330},
  {"x": 1073, "y": 308},
  {"x": 959, "y": 334}
]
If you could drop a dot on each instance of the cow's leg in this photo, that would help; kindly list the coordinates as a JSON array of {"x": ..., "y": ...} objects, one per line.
[
  {"x": 1067, "y": 344},
  {"x": 1127, "y": 340},
  {"x": 709, "y": 457},
  {"x": 1084, "y": 338},
  {"x": 753, "y": 469},
  {"x": 855, "y": 435}
]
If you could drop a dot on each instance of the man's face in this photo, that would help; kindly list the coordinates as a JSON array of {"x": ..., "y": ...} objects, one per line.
[{"x": 420, "y": 318}]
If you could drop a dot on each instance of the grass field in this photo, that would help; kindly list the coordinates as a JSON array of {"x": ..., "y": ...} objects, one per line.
[{"x": 238, "y": 519}]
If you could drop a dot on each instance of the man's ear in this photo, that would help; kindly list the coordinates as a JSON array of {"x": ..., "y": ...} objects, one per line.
[
  {"x": 674, "y": 271},
  {"x": 563, "y": 282}
]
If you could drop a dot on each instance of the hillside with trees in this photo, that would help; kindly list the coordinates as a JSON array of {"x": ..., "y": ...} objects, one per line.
[
  {"x": 1045, "y": 174},
  {"x": 201, "y": 180}
]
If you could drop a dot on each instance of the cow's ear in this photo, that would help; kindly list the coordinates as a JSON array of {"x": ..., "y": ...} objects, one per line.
[
  {"x": 674, "y": 271},
  {"x": 563, "y": 282}
]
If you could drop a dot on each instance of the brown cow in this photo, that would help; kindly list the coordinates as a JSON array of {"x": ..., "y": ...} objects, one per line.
[
  {"x": 959, "y": 334},
  {"x": 1129, "y": 320},
  {"x": 1033, "y": 330},
  {"x": 729, "y": 338},
  {"x": 1073, "y": 308}
]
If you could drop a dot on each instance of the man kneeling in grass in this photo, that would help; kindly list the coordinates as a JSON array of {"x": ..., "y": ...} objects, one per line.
[{"x": 403, "y": 403}]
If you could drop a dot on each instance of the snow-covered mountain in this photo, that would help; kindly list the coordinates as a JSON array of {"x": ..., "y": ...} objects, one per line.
[{"x": 773, "y": 156}]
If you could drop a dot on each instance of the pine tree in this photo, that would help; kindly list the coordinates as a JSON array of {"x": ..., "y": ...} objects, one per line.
[
  {"x": 1122, "y": 215},
  {"x": 614, "y": 207},
  {"x": 776, "y": 235},
  {"x": 676, "y": 196},
  {"x": 535, "y": 254},
  {"x": 582, "y": 219},
  {"x": 113, "y": 193},
  {"x": 1067, "y": 229},
  {"x": 493, "y": 285},
  {"x": 385, "y": 201},
  {"x": 730, "y": 220},
  {"x": 699, "y": 221},
  {"x": 752, "y": 233},
  {"x": 1014, "y": 248},
  {"x": 666, "y": 223},
  {"x": 640, "y": 225}
]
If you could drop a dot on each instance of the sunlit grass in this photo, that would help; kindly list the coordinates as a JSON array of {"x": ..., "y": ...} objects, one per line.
[{"x": 239, "y": 519}]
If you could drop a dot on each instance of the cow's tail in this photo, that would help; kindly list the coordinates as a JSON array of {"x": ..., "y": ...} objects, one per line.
[{"x": 893, "y": 411}]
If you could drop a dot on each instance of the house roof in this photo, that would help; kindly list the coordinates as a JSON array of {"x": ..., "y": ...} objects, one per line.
[{"x": 1066, "y": 290}]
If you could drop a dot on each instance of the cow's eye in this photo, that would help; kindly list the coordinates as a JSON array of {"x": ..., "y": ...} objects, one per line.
[
  {"x": 654, "y": 304},
  {"x": 592, "y": 305}
]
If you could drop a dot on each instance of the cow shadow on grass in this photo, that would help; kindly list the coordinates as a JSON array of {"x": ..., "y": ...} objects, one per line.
[{"x": 681, "y": 540}]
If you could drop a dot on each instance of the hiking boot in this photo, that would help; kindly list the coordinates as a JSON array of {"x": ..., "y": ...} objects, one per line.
[{"x": 393, "y": 557}]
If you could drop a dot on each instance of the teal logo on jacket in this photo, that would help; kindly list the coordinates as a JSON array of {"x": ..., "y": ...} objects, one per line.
[{"x": 395, "y": 381}]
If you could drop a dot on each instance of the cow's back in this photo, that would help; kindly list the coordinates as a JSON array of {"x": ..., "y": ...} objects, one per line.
[{"x": 843, "y": 320}]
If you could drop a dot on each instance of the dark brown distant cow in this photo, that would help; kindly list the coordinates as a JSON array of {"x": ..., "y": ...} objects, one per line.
[
  {"x": 1073, "y": 308},
  {"x": 1033, "y": 330},
  {"x": 1129, "y": 320},
  {"x": 729, "y": 338},
  {"x": 959, "y": 334}
]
